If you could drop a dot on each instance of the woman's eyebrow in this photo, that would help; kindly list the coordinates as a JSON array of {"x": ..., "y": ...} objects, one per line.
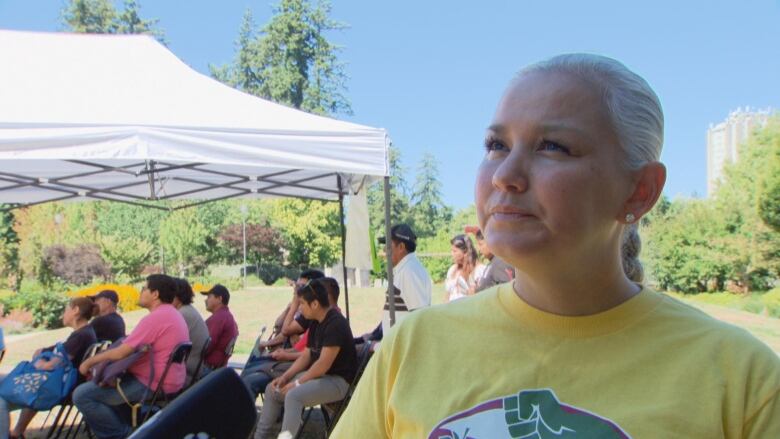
[{"x": 497, "y": 128}]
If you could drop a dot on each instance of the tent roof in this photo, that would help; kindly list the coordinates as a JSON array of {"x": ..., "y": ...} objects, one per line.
[{"x": 120, "y": 117}]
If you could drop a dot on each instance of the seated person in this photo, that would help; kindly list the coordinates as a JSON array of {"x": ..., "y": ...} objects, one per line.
[
  {"x": 76, "y": 315},
  {"x": 199, "y": 333},
  {"x": 277, "y": 362},
  {"x": 321, "y": 374},
  {"x": 222, "y": 327},
  {"x": 163, "y": 328},
  {"x": 108, "y": 325},
  {"x": 288, "y": 328}
]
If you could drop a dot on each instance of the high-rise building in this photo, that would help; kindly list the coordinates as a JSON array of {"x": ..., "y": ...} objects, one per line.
[{"x": 723, "y": 141}]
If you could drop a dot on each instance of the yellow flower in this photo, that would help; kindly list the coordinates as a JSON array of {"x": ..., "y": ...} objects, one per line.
[{"x": 128, "y": 294}]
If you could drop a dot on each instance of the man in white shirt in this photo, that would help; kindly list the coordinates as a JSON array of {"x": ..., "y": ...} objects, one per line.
[{"x": 411, "y": 281}]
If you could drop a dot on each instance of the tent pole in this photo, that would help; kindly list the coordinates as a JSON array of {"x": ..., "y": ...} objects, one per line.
[
  {"x": 343, "y": 245},
  {"x": 389, "y": 255}
]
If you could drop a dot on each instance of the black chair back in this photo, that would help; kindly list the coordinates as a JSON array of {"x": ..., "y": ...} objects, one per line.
[
  {"x": 196, "y": 375},
  {"x": 219, "y": 405}
]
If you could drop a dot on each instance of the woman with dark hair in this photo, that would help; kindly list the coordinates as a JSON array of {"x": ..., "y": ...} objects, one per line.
[
  {"x": 465, "y": 271},
  {"x": 76, "y": 316},
  {"x": 577, "y": 346},
  {"x": 196, "y": 326}
]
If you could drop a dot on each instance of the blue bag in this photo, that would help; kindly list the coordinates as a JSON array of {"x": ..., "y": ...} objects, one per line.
[{"x": 29, "y": 387}]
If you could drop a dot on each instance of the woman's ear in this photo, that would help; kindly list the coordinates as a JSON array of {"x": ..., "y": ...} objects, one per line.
[{"x": 648, "y": 186}]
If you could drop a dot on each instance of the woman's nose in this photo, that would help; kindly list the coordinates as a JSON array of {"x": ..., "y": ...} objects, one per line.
[{"x": 511, "y": 175}]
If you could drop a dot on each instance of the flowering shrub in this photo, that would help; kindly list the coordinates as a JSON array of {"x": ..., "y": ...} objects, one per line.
[
  {"x": 128, "y": 294},
  {"x": 198, "y": 287}
]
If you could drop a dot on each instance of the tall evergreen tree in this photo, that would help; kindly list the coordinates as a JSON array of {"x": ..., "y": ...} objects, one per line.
[
  {"x": 290, "y": 61},
  {"x": 101, "y": 17},
  {"x": 430, "y": 212},
  {"x": 400, "y": 205}
]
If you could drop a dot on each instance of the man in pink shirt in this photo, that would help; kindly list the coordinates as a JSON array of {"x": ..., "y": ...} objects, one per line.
[{"x": 163, "y": 329}]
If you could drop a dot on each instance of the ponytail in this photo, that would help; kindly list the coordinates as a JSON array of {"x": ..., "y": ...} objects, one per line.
[{"x": 629, "y": 253}]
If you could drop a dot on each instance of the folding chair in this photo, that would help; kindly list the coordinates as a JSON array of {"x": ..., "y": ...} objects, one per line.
[
  {"x": 331, "y": 411},
  {"x": 66, "y": 407},
  {"x": 178, "y": 356},
  {"x": 218, "y": 406},
  {"x": 196, "y": 375}
]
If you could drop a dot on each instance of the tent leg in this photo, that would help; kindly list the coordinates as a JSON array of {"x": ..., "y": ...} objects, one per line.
[
  {"x": 343, "y": 247},
  {"x": 389, "y": 255}
]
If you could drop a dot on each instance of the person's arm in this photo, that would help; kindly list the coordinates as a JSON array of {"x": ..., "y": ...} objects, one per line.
[
  {"x": 279, "y": 339},
  {"x": 300, "y": 364},
  {"x": 290, "y": 326},
  {"x": 47, "y": 364},
  {"x": 114, "y": 354},
  {"x": 318, "y": 369},
  {"x": 285, "y": 354}
]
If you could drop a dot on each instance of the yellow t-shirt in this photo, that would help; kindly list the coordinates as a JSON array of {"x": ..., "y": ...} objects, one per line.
[{"x": 491, "y": 366}]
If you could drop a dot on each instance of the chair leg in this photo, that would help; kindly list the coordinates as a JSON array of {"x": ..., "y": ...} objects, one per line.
[
  {"x": 305, "y": 416},
  {"x": 75, "y": 425},
  {"x": 55, "y": 423}
]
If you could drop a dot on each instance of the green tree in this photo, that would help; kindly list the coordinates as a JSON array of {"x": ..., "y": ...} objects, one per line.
[
  {"x": 90, "y": 16},
  {"x": 184, "y": 237},
  {"x": 768, "y": 196},
  {"x": 290, "y": 61},
  {"x": 9, "y": 249},
  {"x": 101, "y": 17},
  {"x": 739, "y": 200},
  {"x": 429, "y": 211},
  {"x": 311, "y": 231},
  {"x": 400, "y": 204}
]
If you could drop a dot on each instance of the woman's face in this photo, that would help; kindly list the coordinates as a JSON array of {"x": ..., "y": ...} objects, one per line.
[
  {"x": 458, "y": 255},
  {"x": 552, "y": 184},
  {"x": 70, "y": 315}
]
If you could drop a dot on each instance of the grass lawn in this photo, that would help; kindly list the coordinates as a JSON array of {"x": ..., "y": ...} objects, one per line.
[{"x": 259, "y": 306}]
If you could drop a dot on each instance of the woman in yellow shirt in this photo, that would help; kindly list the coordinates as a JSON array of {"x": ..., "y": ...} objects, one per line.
[{"x": 576, "y": 346}]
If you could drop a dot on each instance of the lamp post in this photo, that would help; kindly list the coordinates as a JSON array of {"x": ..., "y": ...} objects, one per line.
[
  {"x": 244, "y": 211},
  {"x": 57, "y": 221}
]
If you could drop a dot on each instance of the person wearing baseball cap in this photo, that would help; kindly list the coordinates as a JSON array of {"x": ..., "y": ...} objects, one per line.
[
  {"x": 413, "y": 285},
  {"x": 108, "y": 325},
  {"x": 222, "y": 327}
]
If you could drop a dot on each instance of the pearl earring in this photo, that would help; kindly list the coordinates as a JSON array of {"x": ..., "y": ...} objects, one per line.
[{"x": 630, "y": 218}]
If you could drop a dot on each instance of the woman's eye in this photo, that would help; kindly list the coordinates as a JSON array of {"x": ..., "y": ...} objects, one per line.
[
  {"x": 494, "y": 145},
  {"x": 547, "y": 145}
]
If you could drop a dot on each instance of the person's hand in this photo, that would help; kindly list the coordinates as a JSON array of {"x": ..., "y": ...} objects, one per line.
[
  {"x": 84, "y": 367},
  {"x": 279, "y": 382},
  {"x": 40, "y": 364},
  {"x": 277, "y": 355},
  {"x": 287, "y": 388}
]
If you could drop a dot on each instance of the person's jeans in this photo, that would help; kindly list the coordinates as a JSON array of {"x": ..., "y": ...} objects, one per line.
[
  {"x": 98, "y": 406},
  {"x": 256, "y": 382},
  {"x": 5, "y": 417},
  {"x": 327, "y": 388}
]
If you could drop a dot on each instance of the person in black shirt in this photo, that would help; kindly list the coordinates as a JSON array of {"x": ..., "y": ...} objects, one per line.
[
  {"x": 108, "y": 325},
  {"x": 76, "y": 315},
  {"x": 324, "y": 370}
]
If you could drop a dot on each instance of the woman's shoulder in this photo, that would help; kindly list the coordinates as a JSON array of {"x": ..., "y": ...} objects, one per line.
[{"x": 731, "y": 341}]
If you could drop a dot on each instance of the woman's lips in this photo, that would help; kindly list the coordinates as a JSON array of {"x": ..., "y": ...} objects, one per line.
[{"x": 509, "y": 213}]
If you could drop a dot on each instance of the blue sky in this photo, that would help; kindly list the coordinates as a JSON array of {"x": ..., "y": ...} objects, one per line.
[{"x": 432, "y": 72}]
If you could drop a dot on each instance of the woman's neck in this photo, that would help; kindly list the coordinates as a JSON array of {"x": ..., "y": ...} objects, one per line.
[
  {"x": 78, "y": 324},
  {"x": 588, "y": 288}
]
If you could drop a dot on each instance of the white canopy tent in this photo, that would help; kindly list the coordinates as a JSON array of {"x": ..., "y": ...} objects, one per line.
[{"x": 120, "y": 118}]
